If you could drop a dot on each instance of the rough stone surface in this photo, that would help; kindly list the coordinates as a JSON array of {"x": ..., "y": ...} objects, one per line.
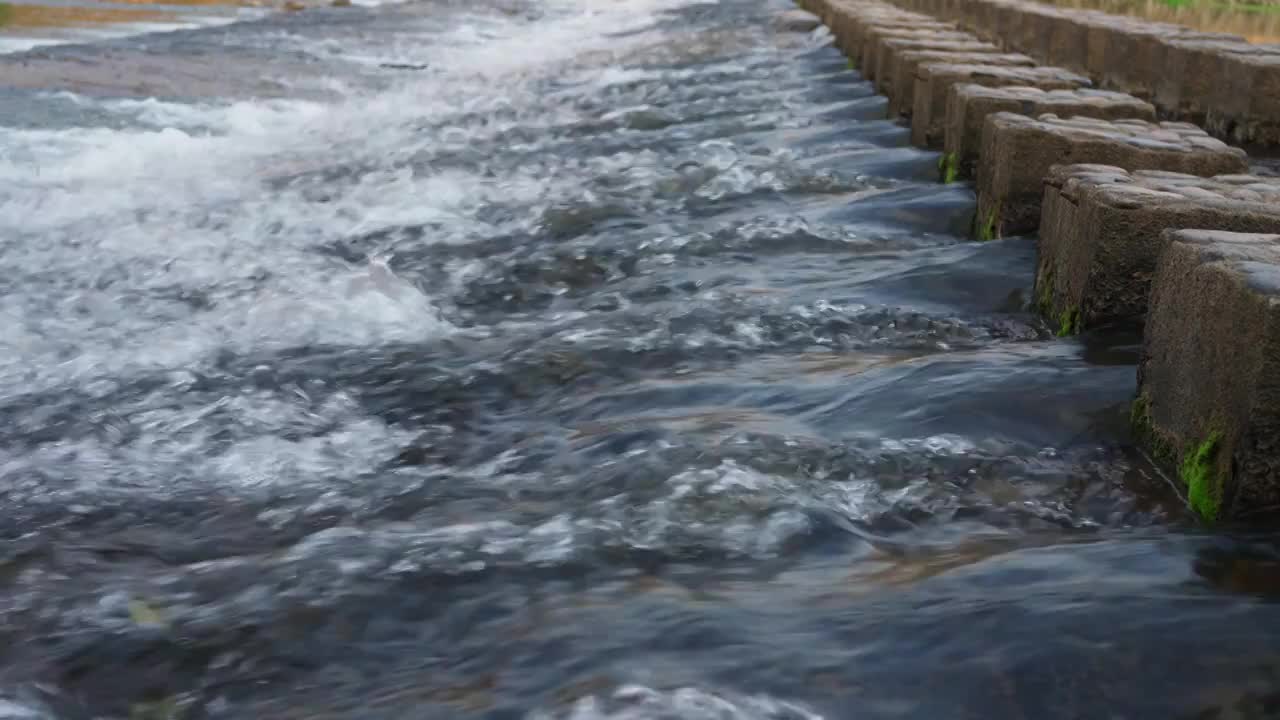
[
  {"x": 1246, "y": 100},
  {"x": 845, "y": 20},
  {"x": 1209, "y": 374},
  {"x": 877, "y": 34},
  {"x": 849, "y": 22},
  {"x": 934, "y": 81},
  {"x": 902, "y": 90},
  {"x": 799, "y": 21},
  {"x": 1135, "y": 54},
  {"x": 1193, "y": 70},
  {"x": 1017, "y": 153},
  {"x": 969, "y": 105},
  {"x": 1101, "y": 234},
  {"x": 889, "y": 63}
]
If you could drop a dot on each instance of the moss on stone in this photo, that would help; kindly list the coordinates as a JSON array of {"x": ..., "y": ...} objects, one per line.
[
  {"x": 1069, "y": 322},
  {"x": 1204, "y": 487},
  {"x": 988, "y": 230},
  {"x": 853, "y": 64},
  {"x": 948, "y": 168}
]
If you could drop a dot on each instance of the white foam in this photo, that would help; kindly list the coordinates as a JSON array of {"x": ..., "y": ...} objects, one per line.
[{"x": 638, "y": 702}]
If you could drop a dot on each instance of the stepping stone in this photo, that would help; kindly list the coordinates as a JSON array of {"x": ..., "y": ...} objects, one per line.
[
  {"x": 877, "y": 34},
  {"x": 969, "y": 105},
  {"x": 892, "y": 49},
  {"x": 902, "y": 91},
  {"x": 934, "y": 81},
  {"x": 1100, "y": 234},
  {"x": 1017, "y": 153},
  {"x": 849, "y": 22},
  {"x": 1209, "y": 376},
  {"x": 1193, "y": 70},
  {"x": 1246, "y": 99}
]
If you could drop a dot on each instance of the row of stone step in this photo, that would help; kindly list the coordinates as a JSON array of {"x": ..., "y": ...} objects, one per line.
[
  {"x": 1218, "y": 80},
  {"x": 1139, "y": 221}
]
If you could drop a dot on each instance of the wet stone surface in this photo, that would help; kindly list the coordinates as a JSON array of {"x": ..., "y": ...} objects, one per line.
[
  {"x": 1102, "y": 233},
  {"x": 892, "y": 49},
  {"x": 1018, "y": 152},
  {"x": 902, "y": 95},
  {"x": 1209, "y": 380},
  {"x": 969, "y": 105},
  {"x": 935, "y": 80}
]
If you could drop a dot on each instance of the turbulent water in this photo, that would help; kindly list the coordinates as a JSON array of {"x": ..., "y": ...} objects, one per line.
[{"x": 567, "y": 360}]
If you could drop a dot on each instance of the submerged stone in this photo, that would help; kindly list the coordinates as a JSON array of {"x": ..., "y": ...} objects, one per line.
[
  {"x": 1017, "y": 153},
  {"x": 1209, "y": 376}
]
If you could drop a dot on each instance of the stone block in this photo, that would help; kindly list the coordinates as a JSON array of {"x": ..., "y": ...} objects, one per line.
[
  {"x": 1208, "y": 399},
  {"x": 1130, "y": 55},
  {"x": 877, "y": 34},
  {"x": 845, "y": 19},
  {"x": 1108, "y": 35},
  {"x": 891, "y": 50},
  {"x": 934, "y": 81},
  {"x": 1006, "y": 23},
  {"x": 1193, "y": 71},
  {"x": 1034, "y": 33},
  {"x": 902, "y": 92},
  {"x": 1017, "y": 153},
  {"x": 1246, "y": 99},
  {"x": 1101, "y": 234},
  {"x": 969, "y": 105}
]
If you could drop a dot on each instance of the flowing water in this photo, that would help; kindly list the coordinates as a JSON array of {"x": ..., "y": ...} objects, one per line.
[{"x": 563, "y": 360}]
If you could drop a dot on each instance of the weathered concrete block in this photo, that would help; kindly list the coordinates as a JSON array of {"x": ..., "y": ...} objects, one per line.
[
  {"x": 934, "y": 82},
  {"x": 1139, "y": 64},
  {"x": 1034, "y": 33},
  {"x": 1101, "y": 234},
  {"x": 849, "y": 20},
  {"x": 891, "y": 50},
  {"x": 1069, "y": 39},
  {"x": 1005, "y": 20},
  {"x": 1209, "y": 375},
  {"x": 969, "y": 105},
  {"x": 877, "y": 34},
  {"x": 1108, "y": 35},
  {"x": 1193, "y": 71},
  {"x": 1017, "y": 153},
  {"x": 902, "y": 91},
  {"x": 1246, "y": 100},
  {"x": 846, "y": 19}
]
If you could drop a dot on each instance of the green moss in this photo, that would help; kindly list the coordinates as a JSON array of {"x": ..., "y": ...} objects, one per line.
[
  {"x": 1069, "y": 322},
  {"x": 988, "y": 229},
  {"x": 853, "y": 64},
  {"x": 948, "y": 168},
  {"x": 1204, "y": 487}
]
